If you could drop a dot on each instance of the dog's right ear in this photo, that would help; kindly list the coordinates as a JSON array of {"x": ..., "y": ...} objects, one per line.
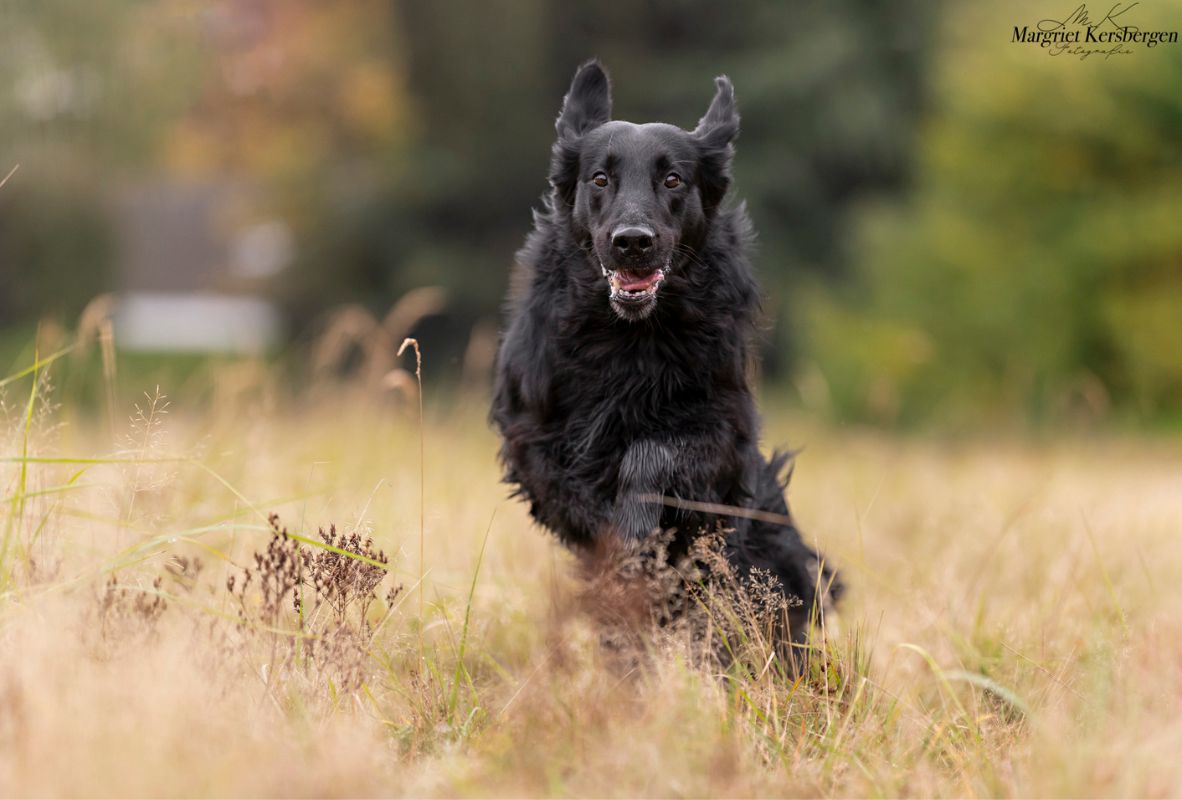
[{"x": 588, "y": 104}]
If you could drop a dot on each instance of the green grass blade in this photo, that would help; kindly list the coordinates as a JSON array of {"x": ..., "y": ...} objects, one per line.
[
  {"x": 36, "y": 366},
  {"x": 461, "y": 670}
]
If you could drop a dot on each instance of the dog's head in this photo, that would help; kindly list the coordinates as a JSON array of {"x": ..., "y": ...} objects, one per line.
[{"x": 638, "y": 198}]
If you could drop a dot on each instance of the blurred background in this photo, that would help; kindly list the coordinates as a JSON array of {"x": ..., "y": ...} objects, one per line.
[{"x": 956, "y": 231}]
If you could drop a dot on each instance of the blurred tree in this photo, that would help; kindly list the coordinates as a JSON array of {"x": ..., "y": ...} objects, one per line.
[
  {"x": 1037, "y": 268},
  {"x": 300, "y": 103},
  {"x": 86, "y": 94},
  {"x": 306, "y": 102}
]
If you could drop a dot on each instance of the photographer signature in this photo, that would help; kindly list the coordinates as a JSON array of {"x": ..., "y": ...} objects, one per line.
[{"x": 1080, "y": 17}]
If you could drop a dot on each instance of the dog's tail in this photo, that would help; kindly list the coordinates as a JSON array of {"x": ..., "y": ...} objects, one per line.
[{"x": 778, "y": 546}]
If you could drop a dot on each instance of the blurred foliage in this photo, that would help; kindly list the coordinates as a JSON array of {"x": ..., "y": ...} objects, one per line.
[
  {"x": 953, "y": 227},
  {"x": 1036, "y": 269},
  {"x": 298, "y": 103},
  {"x": 403, "y": 143},
  {"x": 88, "y": 90}
]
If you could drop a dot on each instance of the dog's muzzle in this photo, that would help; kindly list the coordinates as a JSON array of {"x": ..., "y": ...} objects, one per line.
[
  {"x": 634, "y": 291},
  {"x": 629, "y": 287}
]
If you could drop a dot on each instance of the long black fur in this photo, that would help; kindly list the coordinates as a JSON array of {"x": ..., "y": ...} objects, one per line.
[{"x": 599, "y": 411}]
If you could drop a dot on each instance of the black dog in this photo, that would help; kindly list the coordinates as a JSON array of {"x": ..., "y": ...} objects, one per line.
[{"x": 623, "y": 375}]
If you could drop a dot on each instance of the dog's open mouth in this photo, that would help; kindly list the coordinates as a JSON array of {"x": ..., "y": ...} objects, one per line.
[{"x": 634, "y": 287}]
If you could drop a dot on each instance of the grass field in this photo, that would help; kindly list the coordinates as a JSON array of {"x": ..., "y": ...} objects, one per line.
[{"x": 1013, "y": 626}]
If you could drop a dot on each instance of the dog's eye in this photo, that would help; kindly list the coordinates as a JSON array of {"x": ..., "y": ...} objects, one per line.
[
  {"x": 672, "y": 180},
  {"x": 599, "y": 179}
]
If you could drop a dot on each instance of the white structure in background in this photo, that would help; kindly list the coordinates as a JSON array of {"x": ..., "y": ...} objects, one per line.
[
  {"x": 195, "y": 322},
  {"x": 194, "y": 277}
]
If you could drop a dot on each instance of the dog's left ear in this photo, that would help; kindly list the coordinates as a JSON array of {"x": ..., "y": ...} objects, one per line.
[
  {"x": 588, "y": 104},
  {"x": 715, "y": 134},
  {"x": 720, "y": 126}
]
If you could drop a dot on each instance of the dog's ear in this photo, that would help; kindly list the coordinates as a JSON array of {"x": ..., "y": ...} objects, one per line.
[
  {"x": 588, "y": 104},
  {"x": 720, "y": 126},
  {"x": 715, "y": 134}
]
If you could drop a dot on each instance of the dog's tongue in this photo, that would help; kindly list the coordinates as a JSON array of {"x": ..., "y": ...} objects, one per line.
[{"x": 632, "y": 282}]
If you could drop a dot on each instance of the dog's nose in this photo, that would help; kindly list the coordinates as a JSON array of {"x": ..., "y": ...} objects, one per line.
[{"x": 633, "y": 241}]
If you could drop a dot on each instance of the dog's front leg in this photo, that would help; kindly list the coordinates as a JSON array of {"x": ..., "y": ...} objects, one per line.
[{"x": 646, "y": 470}]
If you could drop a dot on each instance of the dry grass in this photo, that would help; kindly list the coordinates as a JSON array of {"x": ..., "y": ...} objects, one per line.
[{"x": 1014, "y": 625}]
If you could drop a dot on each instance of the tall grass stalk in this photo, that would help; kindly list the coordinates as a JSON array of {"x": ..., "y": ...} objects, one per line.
[
  {"x": 411, "y": 342},
  {"x": 17, "y": 506},
  {"x": 461, "y": 668}
]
